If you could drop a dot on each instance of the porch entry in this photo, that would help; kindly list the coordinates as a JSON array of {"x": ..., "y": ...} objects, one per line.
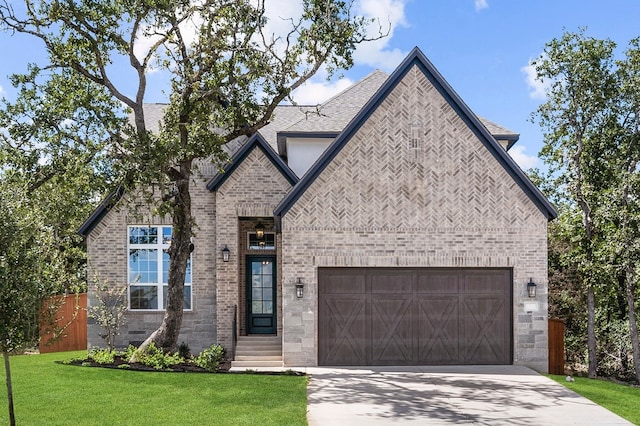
[{"x": 261, "y": 295}]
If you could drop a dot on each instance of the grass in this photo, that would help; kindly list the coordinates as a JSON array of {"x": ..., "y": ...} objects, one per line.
[
  {"x": 621, "y": 399},
  {"x": 55, "y": 394}
]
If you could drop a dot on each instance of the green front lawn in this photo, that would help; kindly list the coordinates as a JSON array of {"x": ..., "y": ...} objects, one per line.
[
  {"x": 54, "y": 394},
  {"x": 621, "y": 399}
]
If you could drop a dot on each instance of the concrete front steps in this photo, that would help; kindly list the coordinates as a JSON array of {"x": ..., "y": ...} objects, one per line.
[{"x": 257, "y": 351}]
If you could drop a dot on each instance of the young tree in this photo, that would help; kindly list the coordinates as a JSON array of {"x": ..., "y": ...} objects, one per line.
[
  {"x": 576, "y": 118},
  {"x": 228, "y": 73},
  {"x": 28, "y": 276}
]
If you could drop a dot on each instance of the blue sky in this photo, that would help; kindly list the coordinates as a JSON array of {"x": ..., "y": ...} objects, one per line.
[{"x": 481, "y": 47}]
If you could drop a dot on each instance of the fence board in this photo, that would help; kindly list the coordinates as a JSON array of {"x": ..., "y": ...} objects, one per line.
[
  {"x": 556, "y": 346},
  {"x": 74, "y": 337}
]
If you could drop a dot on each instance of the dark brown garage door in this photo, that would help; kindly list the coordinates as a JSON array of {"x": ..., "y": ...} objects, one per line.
[{"x": 400, "y": 316}]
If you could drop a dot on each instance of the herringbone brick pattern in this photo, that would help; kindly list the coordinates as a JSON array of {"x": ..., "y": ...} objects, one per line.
[{"x": 414, "y": 186}]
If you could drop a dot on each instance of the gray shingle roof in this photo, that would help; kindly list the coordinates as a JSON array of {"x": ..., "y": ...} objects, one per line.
[{"x": 331, "y": 116}]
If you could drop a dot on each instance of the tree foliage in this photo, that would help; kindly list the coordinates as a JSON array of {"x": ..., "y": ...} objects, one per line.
[
  {"x": 228, "y": 74},
  {"x": 591, "y": 146}
]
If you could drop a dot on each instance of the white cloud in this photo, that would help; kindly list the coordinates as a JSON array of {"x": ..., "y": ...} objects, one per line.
[
  {"x": 523, "y": 160},
  {"x": 537, "y": 87},
  {"x": 2, "y": 91},
  {"x": 312, "y": 93},
  {"x": 481, "y": 4},
  {"x": 387, "y": 15}
]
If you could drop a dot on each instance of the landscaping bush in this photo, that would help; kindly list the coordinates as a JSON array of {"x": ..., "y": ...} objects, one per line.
[
  {"x": 103, "y": 356},
  {"x": 210, "y": 358},
  {"x": 154, "y": 357}
]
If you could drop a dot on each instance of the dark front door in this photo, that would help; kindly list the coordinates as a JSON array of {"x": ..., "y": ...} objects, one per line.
[{"x": 261, "y": 294}]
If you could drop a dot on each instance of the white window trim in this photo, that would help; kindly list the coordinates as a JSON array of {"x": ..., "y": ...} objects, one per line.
[{"x": 160, "y": 247}]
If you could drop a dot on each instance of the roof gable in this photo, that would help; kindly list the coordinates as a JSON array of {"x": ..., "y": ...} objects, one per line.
[
  {"x": 417, "y": 58},
  {"x": 255, "y": 142}
]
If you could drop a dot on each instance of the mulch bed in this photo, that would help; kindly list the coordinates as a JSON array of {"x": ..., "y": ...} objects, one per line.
[{"x": 119, "y": 361}]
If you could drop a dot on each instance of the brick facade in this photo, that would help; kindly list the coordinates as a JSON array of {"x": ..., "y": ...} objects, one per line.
[{"x": 414, "y": 187}]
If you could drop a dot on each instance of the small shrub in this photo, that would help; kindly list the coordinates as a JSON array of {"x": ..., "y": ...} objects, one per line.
[
  {"x": 110, "y": 312},
  {"x": 128, "y": 353},
  {"x": 210, "y": 358},
  {"x": 103, "y": 356},
  {"x": 184, "y": 351},
  {"x": 86, "y": 364},
  {"x": 124, "y": 366},
  {"x": 154, "y": 357}
]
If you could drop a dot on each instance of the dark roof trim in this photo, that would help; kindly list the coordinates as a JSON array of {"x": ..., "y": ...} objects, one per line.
[
  {"x": 255, "y": 141},
  {"x": 416, "y": 57},
  {"x": 100, "y": 212},
  {"x": 282, "y": 138},
  {"x": 509, "y": 137}
]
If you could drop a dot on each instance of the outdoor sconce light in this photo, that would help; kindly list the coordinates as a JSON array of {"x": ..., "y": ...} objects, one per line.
[
  {"x": 191, "y": 245},
  {"x": 259, "y": 230},
  {"x": 531, "y": 288},
  {"x": 225, "y": 253},
  {"x": 299, "y": 288}
]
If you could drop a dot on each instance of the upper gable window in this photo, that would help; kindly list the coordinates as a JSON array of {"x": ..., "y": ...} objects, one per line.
[
  {"x": 303, "y": 152},
  {"x": 267, "y": 242}
]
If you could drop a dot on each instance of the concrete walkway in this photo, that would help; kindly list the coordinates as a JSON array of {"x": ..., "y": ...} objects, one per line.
[{"x": 474, "y": 395}]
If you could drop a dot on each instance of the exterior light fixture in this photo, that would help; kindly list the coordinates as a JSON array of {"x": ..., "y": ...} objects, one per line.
[
  {"x": 531, "y": 288},
  {"x": 299, "y": 288},
  {"x": 191, "y": 245},
  {"x": 225, "y": 253},
  {"x": 259, "y": 230}
]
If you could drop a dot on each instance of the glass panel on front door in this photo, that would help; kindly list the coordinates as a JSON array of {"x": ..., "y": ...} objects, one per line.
[{"x": 261, "y": 295}]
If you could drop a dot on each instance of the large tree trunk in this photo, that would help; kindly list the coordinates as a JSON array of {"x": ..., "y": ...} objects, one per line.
[
  {"x": 166, "y": 336},
  {"x": 633, "y": 325},
  {"x": 7, "y": 369}
]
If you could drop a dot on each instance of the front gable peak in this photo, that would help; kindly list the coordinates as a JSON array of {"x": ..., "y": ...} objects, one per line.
[{"x": 416, "y": 59}]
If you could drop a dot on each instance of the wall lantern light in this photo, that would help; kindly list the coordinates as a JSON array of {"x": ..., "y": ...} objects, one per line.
[
  {"x": 225, "y": 253},
  {"x": 531, "y": 288},
  {"x": 259, "y": 230},
  {"x": 299, "y": 288}
]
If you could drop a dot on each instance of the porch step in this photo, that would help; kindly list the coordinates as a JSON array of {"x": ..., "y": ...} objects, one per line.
[{"x": 257, "y": 352}]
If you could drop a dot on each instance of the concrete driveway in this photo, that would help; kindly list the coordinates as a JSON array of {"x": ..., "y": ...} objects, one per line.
[{"x": 477, "y": 395}]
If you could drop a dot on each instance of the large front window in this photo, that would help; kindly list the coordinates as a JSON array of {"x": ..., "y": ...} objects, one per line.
[{"x": 149, "y": 268}]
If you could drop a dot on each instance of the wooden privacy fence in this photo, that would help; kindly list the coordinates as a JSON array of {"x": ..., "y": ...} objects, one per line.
[
  {"x": 72, "y": 315},
  {"x": 556, "y": 346}
]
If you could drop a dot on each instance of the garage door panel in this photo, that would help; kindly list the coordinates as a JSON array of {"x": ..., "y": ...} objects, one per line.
[
  {"x": 344, "y": 282},
  {"x": 409, "y": 316},
  {"x": 392, "y": 333},
  {"x": 391, "y": 283},
  {"x": 439, "y": 329},
  {"x": 485, "y": 330},
  {"x": 485, "y": 282},
  {"x": 343, "y": 331},
  {"x": 433, "y": 282}
]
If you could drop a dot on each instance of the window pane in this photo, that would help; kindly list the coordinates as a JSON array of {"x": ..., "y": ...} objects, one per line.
[
  {"x": 255, "y": 268},
  {"x": 267, "y": 308},
  {"x": 266, "y": 281},
  {"x": 143, "y": 235},
  {"x": 256, "y": 281},
  {"x": 143, "y": 266},
  {"x": 186, "y": 301},
  {"x": 267, "y": 294},
  {"x": 143, "y": 297},
  {"x": 166, "y": 235},
  {"x": 266, "y": 267},
  {"x": 165, "y": 267},
  {"x": 187, "y": 297},
  {"x": 256, "y": 294},
  {"x": 187, "y": 277},
  {"x": 256, "y": 308}
]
